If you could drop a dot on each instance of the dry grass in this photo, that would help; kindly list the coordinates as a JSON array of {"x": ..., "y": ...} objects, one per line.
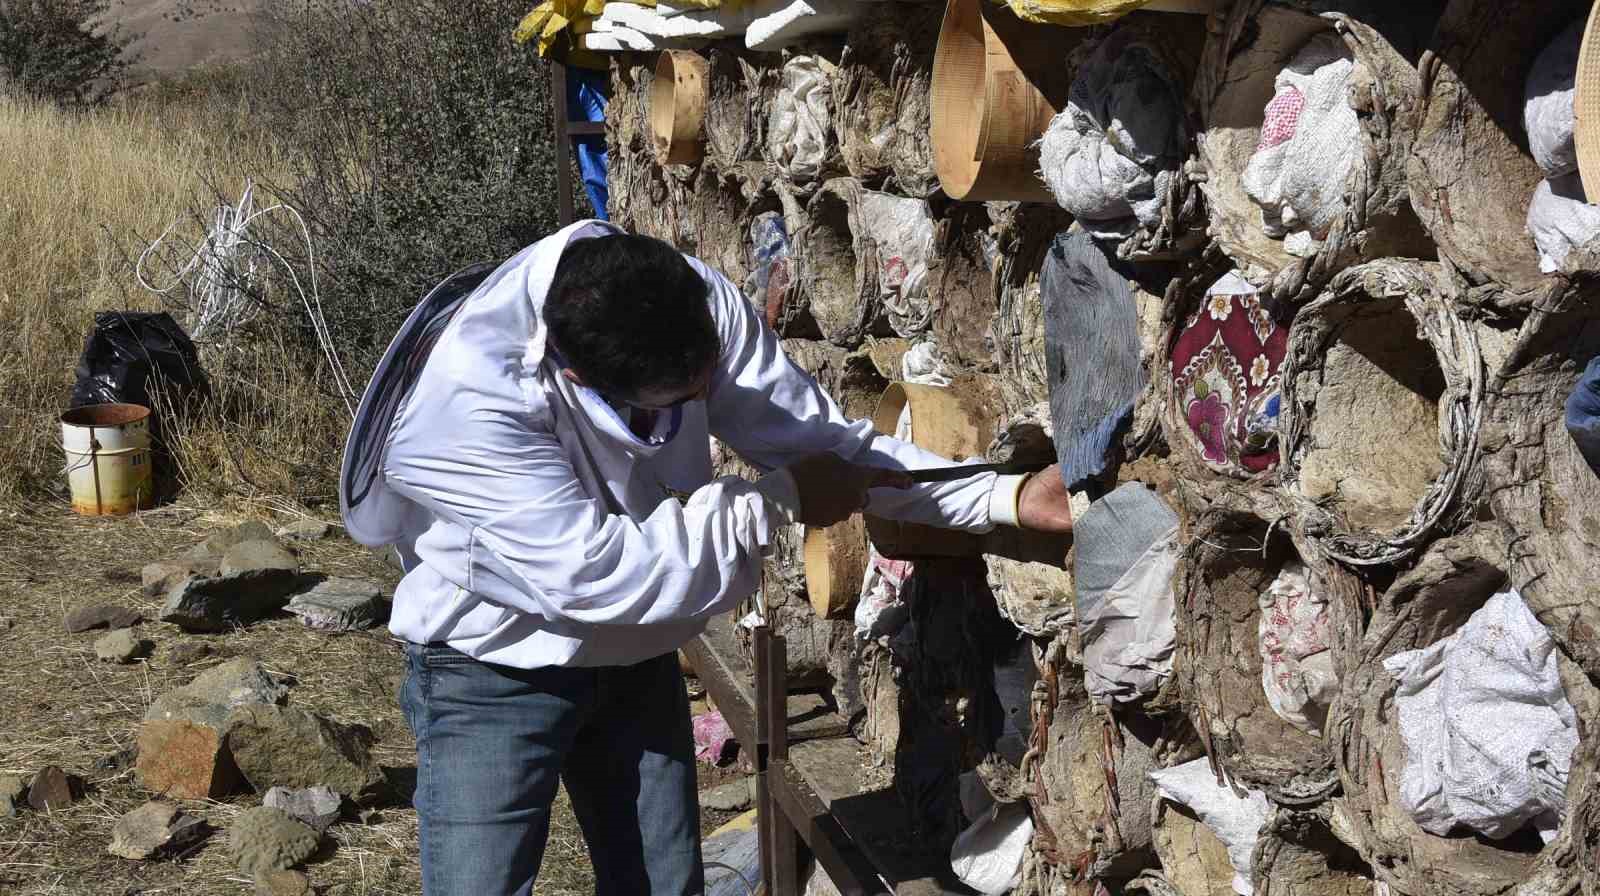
[
  {"x": 60, "y": 706},
  {"x": 84, "y": 193}
]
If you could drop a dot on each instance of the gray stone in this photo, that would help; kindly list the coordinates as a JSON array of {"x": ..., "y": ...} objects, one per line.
[
  {"x": 121, "y": 646},
  {"x": 182, "y": 741},
  {"x": 734, "y": 796},
  {"x": 341, "y": 605},
  {"x": 12, "y": 792},
  {"x": 158, "y": 578},
  {"x": 219, "y": 543},
  {"x": 318, "y": 807},
  {"x": 263, "y": 840},
  {"x": 187, "y": 653},
  {"x": 217, "y": 692},
  {"x": 258, "y": 556},
  {"x": 277, "y": 746},
  {"x": 283, "y": 883},
  {"x": 155, "y": 829},
  {"x": 220, "y": 603},
  {"x": 50, "y": 789},
  {"x": 83, "y": 619},
  {"x": 305, "y": 530}
]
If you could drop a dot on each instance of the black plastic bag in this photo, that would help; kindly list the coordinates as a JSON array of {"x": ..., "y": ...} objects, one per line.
[{"x": 130, "y": 355}]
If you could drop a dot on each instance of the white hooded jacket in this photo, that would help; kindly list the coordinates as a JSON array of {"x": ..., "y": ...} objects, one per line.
[{"x": 536, "y": 529}]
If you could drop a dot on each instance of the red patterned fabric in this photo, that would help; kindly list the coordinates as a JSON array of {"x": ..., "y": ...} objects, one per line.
[
  {"x": 1225, "y": 380},
  {"x": 1282, "y": 118}
]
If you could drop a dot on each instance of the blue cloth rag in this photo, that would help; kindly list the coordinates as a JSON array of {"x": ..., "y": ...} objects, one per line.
[
  {"x": 1583, "y": 414},
  {"x": 586, "y": 101}
]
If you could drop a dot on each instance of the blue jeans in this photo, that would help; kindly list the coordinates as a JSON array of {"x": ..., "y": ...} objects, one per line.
[{"x": 491, "y": 741}]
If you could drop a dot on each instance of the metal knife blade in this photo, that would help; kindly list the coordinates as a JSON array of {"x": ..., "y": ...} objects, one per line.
[{"x": 950, "y": 474}]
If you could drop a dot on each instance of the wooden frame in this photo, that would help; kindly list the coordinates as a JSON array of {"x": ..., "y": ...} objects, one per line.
[{"x": 566, "y": 129}]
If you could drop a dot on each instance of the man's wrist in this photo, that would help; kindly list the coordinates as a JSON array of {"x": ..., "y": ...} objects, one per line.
[{"x": 1005, "y": 499}]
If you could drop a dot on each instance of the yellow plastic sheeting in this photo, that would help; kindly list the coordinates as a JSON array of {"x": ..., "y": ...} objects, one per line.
[
  {"x": 553, "y": 27},
  {"x": 1073, "y": 12}
]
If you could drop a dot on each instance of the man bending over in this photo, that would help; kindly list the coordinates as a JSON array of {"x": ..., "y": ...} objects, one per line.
[{"x": 522, "y": 448}]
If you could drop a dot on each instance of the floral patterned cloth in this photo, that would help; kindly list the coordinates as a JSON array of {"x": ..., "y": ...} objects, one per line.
[
  {"x": 1296, "y": 662},
  {"x": 1225, "y": 379}
]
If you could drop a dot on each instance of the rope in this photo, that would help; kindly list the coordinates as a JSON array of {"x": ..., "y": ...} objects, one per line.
[
  {"x": 748, "y": 886},
  {"x": 221, "y": 273}
]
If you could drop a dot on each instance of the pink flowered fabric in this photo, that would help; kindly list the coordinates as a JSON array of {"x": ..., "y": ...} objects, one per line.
[
  {"x": 1225, "y": 380},
  {"x": 713, "y": 739},
  {"x": 1296, "y": 633},
  {"x": 1282, "y": 118}
]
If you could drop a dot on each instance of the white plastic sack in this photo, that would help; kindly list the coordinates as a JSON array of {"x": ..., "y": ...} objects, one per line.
[
  {"x": 987, "y": 856},
  {"x": 615, "y": 38},
  {"x": 1561, "y": 219},
  {"x": 1126, "y": 554},
  {"x": 1487, "y": 728},
  {"x": 1547, "y": 111},
  {"x": 1109, "y": 157},
  {"x": 800, "y": 126},
  {"x": 1296, "y": 662},
  {"x": 1310, "y": 143},
  {"x": 789, "y": 22},
  {"x": 1234, "y": 819},
  {"x": 1128, "y": 644},
  {"x": 902, "y": 232},
  {"x": 653, "y": 23}
]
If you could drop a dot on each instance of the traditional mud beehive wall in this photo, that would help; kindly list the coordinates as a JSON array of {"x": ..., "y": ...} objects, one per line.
[{"x": 1412, "y": 463}]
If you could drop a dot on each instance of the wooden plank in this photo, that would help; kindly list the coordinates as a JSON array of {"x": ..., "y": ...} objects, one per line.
[
  {"x": 716, "y": 662},
  {"x": 773, "y": 720},
  {"x": 873, "y": 820},
  {"x": 856, "y": 834},
  {"x": 558, "y": 111},
  {"x": 847, "y": 866}
]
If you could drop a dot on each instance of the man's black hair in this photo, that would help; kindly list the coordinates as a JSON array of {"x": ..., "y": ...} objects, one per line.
[{"x": 628, "y": 313}]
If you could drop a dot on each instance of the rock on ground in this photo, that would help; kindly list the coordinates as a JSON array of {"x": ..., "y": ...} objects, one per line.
[
  {"x": 258, "y": 556},
  {"x": 160, "y": 577},
  {"x": 219, "y": 543},
  {"x": 12, "y": 792},
  {"x": 187, "y": 653},
  {"x": 155, "y": 828},
  {"x": 283, "y": 883},
  {"x": 264, "y": 840},
  {"x": 734, "y": 796},
  {"x": 277, "y": 746},
  {"x": 305, "y": 530},
  {"x": 50, "y": 789},
  {"x": 182, "y": 743},
  {"x": 317, "y": 807},
  {"x": 219, "y": 603},
  {"x": 339, "y": 604},
  {"x": 83, "y": 619},
  {"x": 121, "y": 646}
]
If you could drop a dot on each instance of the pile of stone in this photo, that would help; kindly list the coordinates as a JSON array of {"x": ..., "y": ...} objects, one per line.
[
  {"x": 246, "y": 574},
  {"x": 232, "y": 730}
]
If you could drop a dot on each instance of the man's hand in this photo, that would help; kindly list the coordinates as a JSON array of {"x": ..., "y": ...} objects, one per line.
[
  {"x": 832, "y": 489},
  {"x": 1044, "y": 505}
]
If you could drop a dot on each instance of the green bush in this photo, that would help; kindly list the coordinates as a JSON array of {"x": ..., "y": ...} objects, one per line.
[
  {"x": 418, "y": 141},
  {"x": 55, "y": 50}
]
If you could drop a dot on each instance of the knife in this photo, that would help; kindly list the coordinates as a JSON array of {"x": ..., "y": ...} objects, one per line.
[{"x": 950, "y": 474}]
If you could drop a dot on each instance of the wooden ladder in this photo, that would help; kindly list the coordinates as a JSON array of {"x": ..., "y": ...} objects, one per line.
[{"x": 566, "y": 129}]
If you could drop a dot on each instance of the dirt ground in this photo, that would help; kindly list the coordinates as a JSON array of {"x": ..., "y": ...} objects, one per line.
[{"x": 60, "y": 706}]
